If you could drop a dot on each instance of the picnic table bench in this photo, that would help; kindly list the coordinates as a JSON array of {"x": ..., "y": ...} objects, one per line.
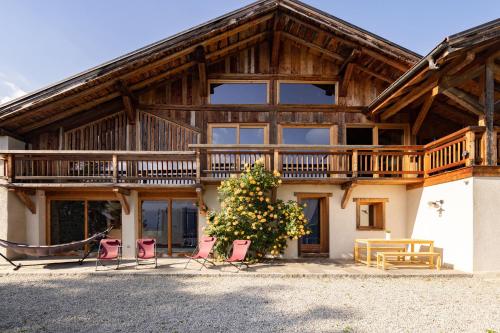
[
  {"x": 376, "y": 245},
  {"x": 399, "y": 257}
]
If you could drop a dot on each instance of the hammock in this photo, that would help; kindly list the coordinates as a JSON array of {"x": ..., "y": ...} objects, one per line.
[{"x": 49, "y": 250}]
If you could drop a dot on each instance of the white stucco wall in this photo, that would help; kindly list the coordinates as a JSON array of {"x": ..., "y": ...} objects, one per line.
[
  {"x": 12, "y": 218},
  {"x": 342, "y": 222},
  {"x": 486, "y": 224},
  {"x": 130, "y": 226},
  {"x": 452, "y": 231},
  {"x": 35, "y": 223}
]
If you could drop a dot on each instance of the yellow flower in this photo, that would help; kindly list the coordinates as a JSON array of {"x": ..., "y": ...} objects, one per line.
[
  {"x": 260, "y": 193},
  {"x": 261, "y": 199},
  {"x": 268, "y": 200},
  {"x": 242, "y": 185},
  {"x": 251, "y": 193},
  {"x": 271, "y": 208},
  {"x": 280, "y": 181},
  {"x": 236, "y": 233},
  {"x": 253, "y": 182},
  {"x": 257, "y": 188}
]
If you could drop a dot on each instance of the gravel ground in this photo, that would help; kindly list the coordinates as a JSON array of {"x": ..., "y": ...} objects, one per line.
[{"x": 89, "y": 303}]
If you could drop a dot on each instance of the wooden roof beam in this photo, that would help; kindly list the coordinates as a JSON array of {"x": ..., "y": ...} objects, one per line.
[
  {"x": 128, "y": 101},
  {"x": 352, "y": 57},
  {"x": 25, "y": 198},
  {"x": 375, "y": 74},
  {"x": 275, "y": 44},
  {"x": 313, "y": 46},
  {"x": 348, "y": 188},
  {"x": 346, "y": 79},
  {"x": 200, "y": 58},
  {"x": 423, "y": 111},
  {"x": 121, "y": 195},
  {"x": 465, "y": 100},
  {"x": 406, "y": 100}
]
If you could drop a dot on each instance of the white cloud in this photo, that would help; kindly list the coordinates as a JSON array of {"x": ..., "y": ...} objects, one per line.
[{"x": 9, "y": 91}]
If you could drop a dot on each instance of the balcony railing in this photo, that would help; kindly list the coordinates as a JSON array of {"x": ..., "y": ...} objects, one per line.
[
  {"x": 74, "y": 166},
  {"x": 214, "y": 162}
]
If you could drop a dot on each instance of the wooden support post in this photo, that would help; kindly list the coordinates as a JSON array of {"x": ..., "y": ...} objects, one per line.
[
  {"x": 10, "y": 168},
  {"x": 275, "y": 51},
  {"x": 276, "y": 160},
  {"x": 489, "y": 114},
  {"x": 201, "y": 203},
  {"x": 354, "y": 163},
  {"x": 24, "y": 196},
  {"x": 348, "y": 187},
  {"x": 198, "y": 166},
  {"x": 115, "y": 168},
  {"x": 121, "y": 194},
  {"x": 470, "y": 141},
  {"x": 427, "y": 164}
]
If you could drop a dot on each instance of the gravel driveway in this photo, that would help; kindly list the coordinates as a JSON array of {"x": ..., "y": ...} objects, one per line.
[{"x": 125, "y": 303}]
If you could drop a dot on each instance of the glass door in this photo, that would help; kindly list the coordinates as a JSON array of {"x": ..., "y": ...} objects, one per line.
[
  {"x": 154, "y": 220},
  {"x": 172, "y": 222},
  {"x": 316, "y": 212}
]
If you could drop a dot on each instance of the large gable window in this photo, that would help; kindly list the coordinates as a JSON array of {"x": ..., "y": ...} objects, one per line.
[
  {"x": 306, "y": 135},
  {"x": 237, "y": 134},
  {"x": 227, "y": 92},
  {"x": 318, "y": 93}
]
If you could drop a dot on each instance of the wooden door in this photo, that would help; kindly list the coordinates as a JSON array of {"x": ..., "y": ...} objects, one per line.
[{"x": 316, "y": 213}]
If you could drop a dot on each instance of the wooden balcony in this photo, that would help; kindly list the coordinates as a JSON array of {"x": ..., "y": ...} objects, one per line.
[{"x": 211, "y": 163}]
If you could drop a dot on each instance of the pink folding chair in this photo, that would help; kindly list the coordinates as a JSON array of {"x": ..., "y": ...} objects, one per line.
[
  {"x": 109, "y": 249},
  {"x": 239, "y": 253},
  {"x": 146, "y": 252},
  {"x": 202, "y": 252}
]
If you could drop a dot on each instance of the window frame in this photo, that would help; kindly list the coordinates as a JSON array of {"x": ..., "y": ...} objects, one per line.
[
  {"x": 278, "y": 91},
  {"x": 333, "y": 129},
  {"x": 238, "y": 126},
  {"x": 266, "y": 82},
  {"x": 376, "y": 126},
  {"x": 367, "y": 201}
]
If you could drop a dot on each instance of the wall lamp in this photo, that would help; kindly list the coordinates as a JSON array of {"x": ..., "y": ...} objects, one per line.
[{"x": 438, "y": 205}]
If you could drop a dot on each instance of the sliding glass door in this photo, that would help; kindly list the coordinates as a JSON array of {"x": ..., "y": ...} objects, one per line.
[
  {"x": 172, "y": 222},
  {"x": 73, "y": 220}
]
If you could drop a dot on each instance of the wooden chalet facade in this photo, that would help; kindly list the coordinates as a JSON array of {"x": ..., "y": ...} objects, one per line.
[{"x": 365, "y": 131}]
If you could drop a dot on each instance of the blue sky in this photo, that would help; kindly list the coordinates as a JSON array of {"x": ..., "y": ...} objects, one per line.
[{"x": 42, "y": 42}]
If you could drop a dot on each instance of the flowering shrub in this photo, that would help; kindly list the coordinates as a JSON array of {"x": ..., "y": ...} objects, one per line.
[{"x": 247, "y": 212}]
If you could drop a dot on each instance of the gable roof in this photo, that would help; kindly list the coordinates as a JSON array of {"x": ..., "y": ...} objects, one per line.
[
  {"x": 154, "y": 57},
  {"x": 479, "y": 42}
]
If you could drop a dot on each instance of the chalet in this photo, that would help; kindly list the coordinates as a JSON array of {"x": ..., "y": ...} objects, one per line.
[{"x": 371, "y": 135}]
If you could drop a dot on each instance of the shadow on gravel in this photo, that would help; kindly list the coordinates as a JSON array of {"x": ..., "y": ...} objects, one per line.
[{"x": 158, "y": 304}]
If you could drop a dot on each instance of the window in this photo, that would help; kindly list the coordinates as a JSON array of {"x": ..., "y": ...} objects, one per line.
[
  {"x": 370, "y": 214},
  {"x": 377, "y": 134},
  {"x": 306, "y": 135},
  {"x": 238, "y": 92},
  {"x": 237, "y": 134},
  {"x": 74, "y": 220},
  {"x": 320, "y": 93}
]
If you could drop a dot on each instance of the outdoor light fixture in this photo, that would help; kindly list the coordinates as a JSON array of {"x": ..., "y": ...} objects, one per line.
[
  {"x": 438, "y": 205},
  {"x": 465, "y": 154}
]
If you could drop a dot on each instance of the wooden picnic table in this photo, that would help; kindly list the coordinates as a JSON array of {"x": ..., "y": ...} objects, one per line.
[{"x": 369, "y": 243}]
